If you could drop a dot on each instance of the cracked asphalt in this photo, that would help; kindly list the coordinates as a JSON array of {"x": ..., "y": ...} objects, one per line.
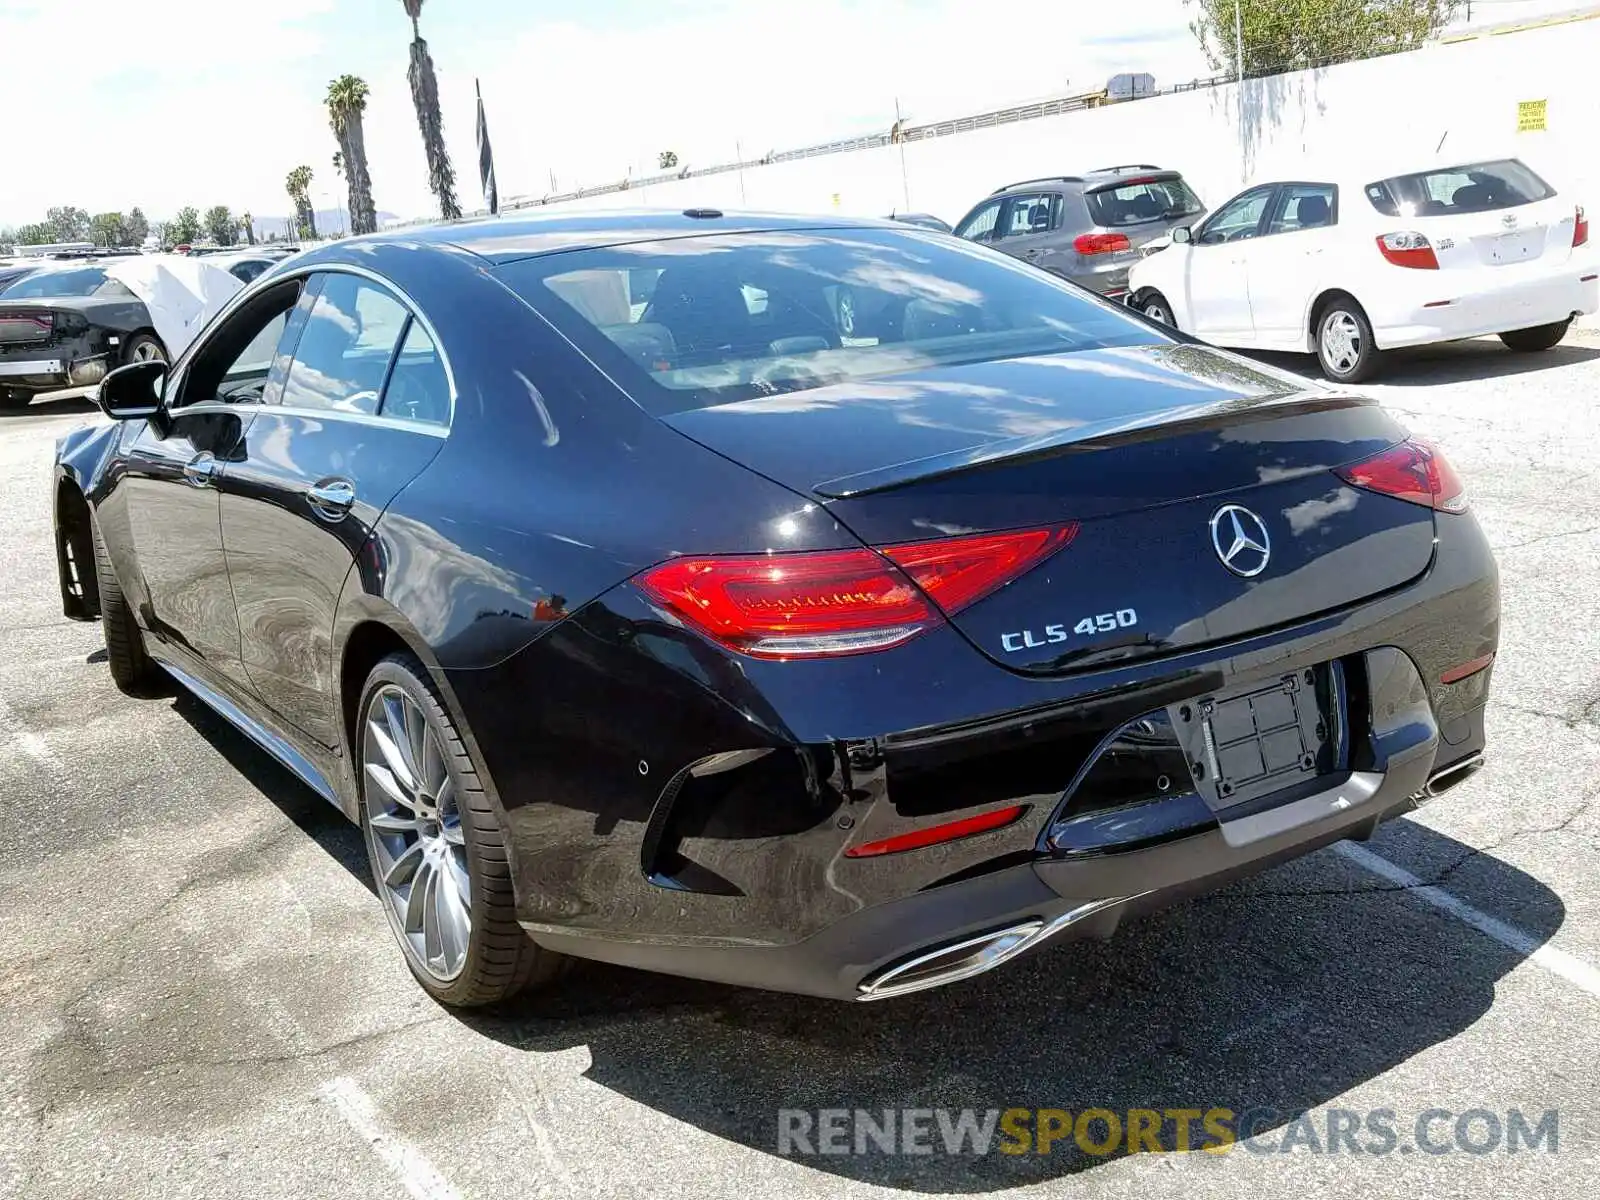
[{"x": 200, "y": 996}]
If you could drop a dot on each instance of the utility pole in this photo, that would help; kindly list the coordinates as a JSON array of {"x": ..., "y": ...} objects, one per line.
[{"x": 1238, "y": 41}]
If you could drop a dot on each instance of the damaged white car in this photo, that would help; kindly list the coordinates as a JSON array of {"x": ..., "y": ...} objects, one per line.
[{"x": 62, "y": 328}]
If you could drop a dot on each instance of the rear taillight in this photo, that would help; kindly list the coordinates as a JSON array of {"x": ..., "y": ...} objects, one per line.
[
  {"x": 1409, "y": 249},
  {"x": 831, "y": 602},
  {"x": 1101, "y": 243},
  {"x": 1580, "y": 228},
  {"x": 1414, "y": 471}
]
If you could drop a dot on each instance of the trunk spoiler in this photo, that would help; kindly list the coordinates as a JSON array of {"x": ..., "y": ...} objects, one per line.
[{"x": 1100, "y": 435}]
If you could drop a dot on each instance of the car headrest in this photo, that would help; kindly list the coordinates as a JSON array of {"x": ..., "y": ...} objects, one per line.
[{"x": 1313, "y": 210}]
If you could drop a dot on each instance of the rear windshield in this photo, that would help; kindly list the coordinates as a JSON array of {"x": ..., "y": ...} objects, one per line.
[
  {"x": 1451, "y": 191},
  {"x": 695, "y": 322},
  {"x": 84, "y": 281},
  {"x": 1142, "y": 201}
]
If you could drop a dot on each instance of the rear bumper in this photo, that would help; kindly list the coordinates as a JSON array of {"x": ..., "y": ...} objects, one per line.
[
  {"x": 68, "y": 362},
  {"x": 1438, "y": 309},
  {"x": 671, "y": 809},
  {"x": 865, "y": 956}
]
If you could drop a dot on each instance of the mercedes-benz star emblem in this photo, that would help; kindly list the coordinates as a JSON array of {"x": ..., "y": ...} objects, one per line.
[{"x": 1240, "y": 539}]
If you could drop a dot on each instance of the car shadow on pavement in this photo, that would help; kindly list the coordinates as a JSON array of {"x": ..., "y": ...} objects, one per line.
[
  {"x": 314, "y": 816},
  {"x": 1269, "y": 998},
  {"x": 1450, "y": 362}
]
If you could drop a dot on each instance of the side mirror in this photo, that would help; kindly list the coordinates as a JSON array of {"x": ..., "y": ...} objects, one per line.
[
  {"x": 133, "y": 392},
  {"x": 1181, "y": 235}
]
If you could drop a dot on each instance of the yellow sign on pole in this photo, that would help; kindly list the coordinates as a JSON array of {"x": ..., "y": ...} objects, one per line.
[
  {"x": 836, "y": 199},
  {"x": 1531, "y": 116}
]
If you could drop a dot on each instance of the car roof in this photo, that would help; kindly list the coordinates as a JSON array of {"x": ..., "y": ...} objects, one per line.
[
  {"x": 1094, "y": 176},
  {"x": 520, "y": 235}
]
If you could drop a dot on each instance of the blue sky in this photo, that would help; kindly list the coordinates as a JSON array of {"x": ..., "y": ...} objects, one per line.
[{"x": 213, "y": 101}]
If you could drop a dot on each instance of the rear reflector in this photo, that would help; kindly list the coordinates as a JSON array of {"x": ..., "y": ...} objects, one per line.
[
  {"x": 1408, "y": 249},
  {"x": 1580, "y": 228},
  {"x": 1415, "y": 471},
  {"x": 936, "y": 834},
  {"x": 1466, "y": 669},
  {"x": 832, "y": 602},
  {"x": 1101, "y": 243}
]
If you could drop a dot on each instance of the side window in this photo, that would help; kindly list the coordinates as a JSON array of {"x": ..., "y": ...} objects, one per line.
[
  {"x": 240, "y": 362},
  {"x": 1305, "y": 206},
  {"x": 1030, "y": 214},
  {"x": 344, "y": 351},
  {"x": 1236, "y": 220},
  {"x": 979, "y": 227},
  {"x": 419, "y": 388}
]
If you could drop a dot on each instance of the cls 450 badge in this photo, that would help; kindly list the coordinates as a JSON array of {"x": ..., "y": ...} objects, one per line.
[{"x": 1027, "y": 639}]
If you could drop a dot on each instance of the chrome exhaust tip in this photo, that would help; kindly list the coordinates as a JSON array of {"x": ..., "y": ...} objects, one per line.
[
  {"x": 1443, "y": 780},
  {"x": 974, "y": 955}
]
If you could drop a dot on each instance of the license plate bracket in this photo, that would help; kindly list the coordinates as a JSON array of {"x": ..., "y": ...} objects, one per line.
[{"x": 1251, "y": 743}]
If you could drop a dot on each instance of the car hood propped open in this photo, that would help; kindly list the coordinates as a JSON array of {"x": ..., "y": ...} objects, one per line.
[{"x": 182, "y": 294}]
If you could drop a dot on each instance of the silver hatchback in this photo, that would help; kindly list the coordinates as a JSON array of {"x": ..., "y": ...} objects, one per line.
[{"x": 1087, "y": 228}]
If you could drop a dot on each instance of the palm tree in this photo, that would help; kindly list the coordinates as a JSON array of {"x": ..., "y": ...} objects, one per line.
[
  {"x": 425, "y": 95},
  {"x": 248, "y": 224},
  {"x": 347, "y": 100},
  {"x": 298, "y": 185}
]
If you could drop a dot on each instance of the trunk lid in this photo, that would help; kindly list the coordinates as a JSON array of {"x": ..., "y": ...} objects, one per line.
[
  {"x": 1538, "y": 233},
  {"x": 1169, "y": 458}
]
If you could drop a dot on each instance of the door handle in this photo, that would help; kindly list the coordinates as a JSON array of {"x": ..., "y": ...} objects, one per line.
[
  {"x": 332, "y": 499},
  {"x": 200, "y": 469}
]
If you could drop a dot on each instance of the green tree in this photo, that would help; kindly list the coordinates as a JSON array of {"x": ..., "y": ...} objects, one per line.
[
  {"x": 38, "y": 234},
  {"x": 184, "y": 229},
  {"x": 247, "y": 225},
  {"x": 137, "y": 228},
  {"x": 668, "y": 159},
  {"x": 1289, "y": 35},
  {"x": 221, "y": 226},
  {"x": 108, "y": 229},
  {"x": 298, "y": 185},
  {"x": 70, "y": 224},
  {"x": 347, "y": 101},
  {"x": 425, "y": 95}
]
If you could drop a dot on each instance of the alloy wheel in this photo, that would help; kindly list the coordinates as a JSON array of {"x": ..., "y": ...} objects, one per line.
[
  {"x": 147, "y": 352},
  {"x": 418, "y": 845},
  {"x": 1157, "y": 311},
  {"x": 1341, "y": 342}
]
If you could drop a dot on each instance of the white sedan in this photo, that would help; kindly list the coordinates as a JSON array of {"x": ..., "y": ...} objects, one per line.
[{"x": 1346, "y": 270}]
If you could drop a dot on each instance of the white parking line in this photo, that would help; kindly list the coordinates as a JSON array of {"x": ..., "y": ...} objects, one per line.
[
  {"x": 1557, "y": 962},
  {"x": 420, "y": 1177}
]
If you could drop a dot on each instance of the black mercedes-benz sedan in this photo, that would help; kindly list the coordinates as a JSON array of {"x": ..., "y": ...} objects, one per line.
[{"x": 820, "y": 605}]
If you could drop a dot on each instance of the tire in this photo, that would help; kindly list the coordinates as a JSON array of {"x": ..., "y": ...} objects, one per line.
[
  {"x": 1343, "y": 337},
  {"x": 454, "y": 850},
  {"x": 144, "y": 346},
  {"x": 1156, "y": 306},
  {"x": 1539, "y": 337},
  {"x": 132, "y": 669}
]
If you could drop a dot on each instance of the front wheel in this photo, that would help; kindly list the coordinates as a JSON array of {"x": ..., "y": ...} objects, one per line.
[
  {"x": 1539, "y": 337},
  {"x": 1345, "y": 348},
  {"x": 1154, "y": 305},
  {"x": 132, "y": 668},
  {"x": 437, "y": 850},
  {"x": 145, "y": 347}
]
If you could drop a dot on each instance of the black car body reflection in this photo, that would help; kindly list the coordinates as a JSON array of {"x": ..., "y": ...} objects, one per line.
[{"x": 826, "y": 606}]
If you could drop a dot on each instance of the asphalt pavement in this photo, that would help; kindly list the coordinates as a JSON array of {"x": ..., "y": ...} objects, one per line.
[{"x": 201, "y": 998}]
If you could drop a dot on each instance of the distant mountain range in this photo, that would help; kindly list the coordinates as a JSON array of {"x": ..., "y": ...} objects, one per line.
[{"x": 329, "y": 220}]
